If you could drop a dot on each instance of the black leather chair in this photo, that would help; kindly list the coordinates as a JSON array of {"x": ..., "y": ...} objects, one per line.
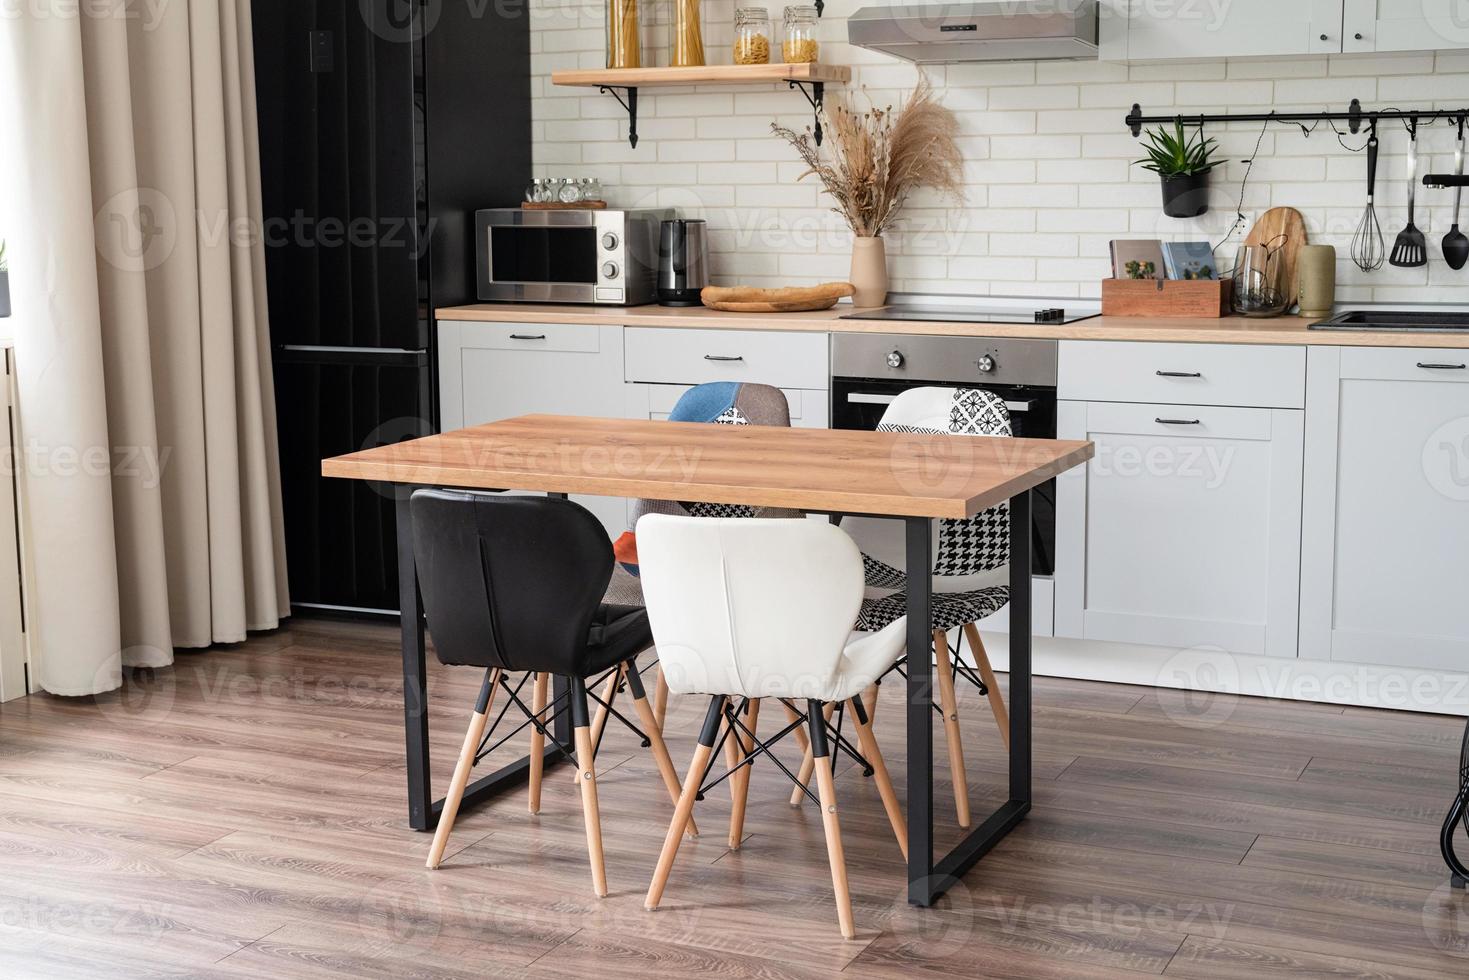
[{"x": 516, "y": 584}]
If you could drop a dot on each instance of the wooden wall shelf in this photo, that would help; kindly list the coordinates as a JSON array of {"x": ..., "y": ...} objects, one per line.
[
  {"x": 702, "y": 75},
  {"x": 629, "y": 80}
]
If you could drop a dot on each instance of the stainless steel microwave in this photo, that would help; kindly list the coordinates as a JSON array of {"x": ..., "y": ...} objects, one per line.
[{"x": 572, "y": 256}]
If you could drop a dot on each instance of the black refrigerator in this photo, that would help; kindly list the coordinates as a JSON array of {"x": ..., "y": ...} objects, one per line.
[{"x": 384, "y": 125}]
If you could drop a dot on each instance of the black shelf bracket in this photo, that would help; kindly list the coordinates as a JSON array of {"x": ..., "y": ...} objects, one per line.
[
  {"x": 630, "y": 104},
  {"x": 815, "y": 97},
  {"x": 1354, "y": 117},
  {"x": 820, "y": 6}
]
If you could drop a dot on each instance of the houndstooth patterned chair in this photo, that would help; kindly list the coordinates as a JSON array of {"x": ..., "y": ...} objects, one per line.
[{"x": 970, "y": 569}]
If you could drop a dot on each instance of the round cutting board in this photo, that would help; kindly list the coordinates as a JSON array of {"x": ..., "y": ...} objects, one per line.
[{"x": 1270, "y": 226}]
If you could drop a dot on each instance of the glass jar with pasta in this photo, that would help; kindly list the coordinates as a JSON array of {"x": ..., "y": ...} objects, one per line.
[
  {"x": 752, "y": 36},
  {"x": 799, "y": 45}
]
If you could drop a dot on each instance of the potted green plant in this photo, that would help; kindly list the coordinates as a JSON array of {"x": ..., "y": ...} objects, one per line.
[
  {"x": 4, "y": 283},
  {"x": 1182, "y": 163}
]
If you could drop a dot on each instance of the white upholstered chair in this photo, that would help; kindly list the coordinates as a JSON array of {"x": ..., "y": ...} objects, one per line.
[{"x": 745, "y": 609}]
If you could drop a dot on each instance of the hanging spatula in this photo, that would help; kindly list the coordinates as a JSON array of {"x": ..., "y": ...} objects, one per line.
[{"x": 1411, "y": 249}]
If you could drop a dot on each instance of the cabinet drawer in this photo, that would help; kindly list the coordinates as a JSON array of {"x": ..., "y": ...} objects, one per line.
[
  {"x": 1182, "y": 374},
  {"x": 692, "y": 356},
  {"x": 1405, "y": 364},
  {"x": 808, "y": 408},
  {"x": 579, "y": 338}
]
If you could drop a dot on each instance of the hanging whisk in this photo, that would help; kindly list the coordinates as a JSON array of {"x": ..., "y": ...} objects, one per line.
[{"x": 1368, "y": 249}]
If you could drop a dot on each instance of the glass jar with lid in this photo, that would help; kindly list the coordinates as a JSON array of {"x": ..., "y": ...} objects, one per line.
[
  {"x": 591, "y": 189},
  {"x": 752, "y": 36},
  {"x": 533, "y": 191},
  {"x": 799, "y": 45},
  {"x": 569, "y": 192}
]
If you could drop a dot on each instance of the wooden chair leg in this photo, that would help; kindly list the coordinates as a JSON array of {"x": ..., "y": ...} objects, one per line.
[
  {"x": 660, "y": 699},
  {"x": 808, "y": 765},
  {"x": 826, "y": 789},
  {"x": 987, "y": 674},
  {"x": 537, "y": 740},
  {"x": 741, "y": 779},
  {"x": 869, "y": 701},
  {"x": 950, "y": 705},
  {"x": 463, "y": 767},
  {"x": 587, "y": 778},
  {"x": 685, "y": 808},
  {"x": 599, "y": 720},
  {"x": 868, "y": 743},
  {"x": 656, "y": 744}
]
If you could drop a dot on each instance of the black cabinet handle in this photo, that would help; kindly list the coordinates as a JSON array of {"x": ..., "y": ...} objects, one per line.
[
  {"x": 722, "y": 357},
  {"x": 1178, "y": 374},
  {"x": 1177, "y": 421},
  {"x": 527, "y": 336},
  {"x": 1441, "y": 367}
]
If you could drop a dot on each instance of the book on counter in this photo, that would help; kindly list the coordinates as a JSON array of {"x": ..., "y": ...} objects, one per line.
[
  {"x": 1137, "y": 259},
  {"x": 1189, "y": 260}
]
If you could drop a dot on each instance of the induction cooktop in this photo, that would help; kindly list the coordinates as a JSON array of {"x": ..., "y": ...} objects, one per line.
[{"x": 969, "y": 314}]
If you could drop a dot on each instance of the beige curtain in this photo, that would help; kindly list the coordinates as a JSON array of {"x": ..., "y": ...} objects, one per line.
[{"x": 132, "y": 208}]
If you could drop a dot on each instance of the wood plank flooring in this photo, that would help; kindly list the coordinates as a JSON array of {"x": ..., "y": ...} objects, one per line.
[{"x": 242, "y": 815}]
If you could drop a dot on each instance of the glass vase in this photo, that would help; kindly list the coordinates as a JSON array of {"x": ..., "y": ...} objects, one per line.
[
  {"x": 688, "y": 39},
  {"x": 624, "y": 47}
]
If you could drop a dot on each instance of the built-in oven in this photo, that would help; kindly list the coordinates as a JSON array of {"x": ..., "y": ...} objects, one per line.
[
  {"x": 870, "y": 370},
  {"x": 606, "y": 256}
]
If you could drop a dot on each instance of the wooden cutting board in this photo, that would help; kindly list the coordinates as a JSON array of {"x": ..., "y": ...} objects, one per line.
[
  {"x": 792, "y": 299},
  {"x": 1271, "y": 225}
]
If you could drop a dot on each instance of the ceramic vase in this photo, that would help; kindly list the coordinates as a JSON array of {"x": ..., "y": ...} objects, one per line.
[{"x": 869, "y": 272}]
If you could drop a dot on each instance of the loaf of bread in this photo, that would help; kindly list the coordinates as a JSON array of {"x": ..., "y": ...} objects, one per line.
[{"x": 789, "y": 299}]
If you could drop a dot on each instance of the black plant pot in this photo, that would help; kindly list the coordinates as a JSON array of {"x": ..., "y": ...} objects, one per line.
[
  {"x": 1186, "y": 196},
  {"x": 4, "y": 293}
]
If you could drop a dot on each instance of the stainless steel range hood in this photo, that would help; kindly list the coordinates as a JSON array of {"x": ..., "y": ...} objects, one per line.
[{"x": 979, "y": 30}]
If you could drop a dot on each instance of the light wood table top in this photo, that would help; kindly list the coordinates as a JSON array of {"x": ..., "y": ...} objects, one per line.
[
  {"x": 880, "y": 473},
  {"x": 1224, "y": 330}
]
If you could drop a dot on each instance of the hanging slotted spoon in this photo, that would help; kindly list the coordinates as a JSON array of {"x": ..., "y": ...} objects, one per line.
[
  {"x": 1411, "y": 249},
  {"x": 1456, "y": 243}
]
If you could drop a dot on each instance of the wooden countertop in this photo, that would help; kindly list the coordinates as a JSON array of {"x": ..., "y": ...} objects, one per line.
[
  {"x": 1228, "y": 330},
  {"x": 896, "y": 474}
]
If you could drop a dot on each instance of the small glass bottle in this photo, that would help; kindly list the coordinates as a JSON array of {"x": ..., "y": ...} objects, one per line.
[
  {"x": 533, "y": 191},
  {"x": 799, "y": 46},
  {"x": 752, "y": 36},
  {"x": 591, "y": 189},
  {"x": 569, "y": 192}
]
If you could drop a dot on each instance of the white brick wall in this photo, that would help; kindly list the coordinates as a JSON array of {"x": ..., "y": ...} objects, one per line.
[{"x": 1048, "y": 175}]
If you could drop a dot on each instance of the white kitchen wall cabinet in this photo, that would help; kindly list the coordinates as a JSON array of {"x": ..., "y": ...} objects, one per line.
[
  {"x": 492, "y": 371},
  {"x": 1156, "y": 30},
  {"x": 1399, "y": 25},
  {"x": 1184, "y": 530},
  {"x": 1386, "y": 517}
]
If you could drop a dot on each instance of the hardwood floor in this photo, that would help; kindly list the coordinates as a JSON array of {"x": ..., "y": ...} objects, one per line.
[{"x": 242, "y": 815}]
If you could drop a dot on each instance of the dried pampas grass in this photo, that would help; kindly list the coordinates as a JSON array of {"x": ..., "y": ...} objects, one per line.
[{"x": 880, "y": 156}]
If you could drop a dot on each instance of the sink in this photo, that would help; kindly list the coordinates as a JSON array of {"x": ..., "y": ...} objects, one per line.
[{"x": 1450, "y": 322}]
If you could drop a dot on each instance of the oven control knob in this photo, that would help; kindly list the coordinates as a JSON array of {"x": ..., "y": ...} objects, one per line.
[
  {"x": 609, "y": 241},
  {"x": 609, "y": 270},
  {"x": 985, "y": 364},
  {"x": 895, "y": 359}
]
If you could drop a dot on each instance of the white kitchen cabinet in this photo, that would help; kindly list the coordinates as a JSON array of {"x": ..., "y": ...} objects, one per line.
[
  {"x": 491, "y": 371},
  {"x": 1386, "y": 516},
  {"x": 1398, "y": 25},
  {"x": 1148, "y": 30},
  {"x": 1184, "y": 530}
]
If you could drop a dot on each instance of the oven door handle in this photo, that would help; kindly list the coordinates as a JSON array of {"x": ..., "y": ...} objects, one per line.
[{"x": 867, "y": 398}]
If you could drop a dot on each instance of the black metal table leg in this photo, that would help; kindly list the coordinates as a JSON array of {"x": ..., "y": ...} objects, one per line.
[
  {"x": 415, "y": 671},
  {"x": 927, "y": 879},
  {"x": 920, "y": 709}
]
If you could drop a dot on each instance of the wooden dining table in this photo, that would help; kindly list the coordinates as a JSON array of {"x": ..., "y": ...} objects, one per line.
[{"x": 912, "y": 477}]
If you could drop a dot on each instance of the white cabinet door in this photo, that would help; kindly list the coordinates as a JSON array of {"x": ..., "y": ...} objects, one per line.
[
  {"x": 1399, "y": 25},
  {"x": 1184, "y": 530},
  {"x": 1169, "y": 29},
  {"x": 491, "y": 371},
  {"x": 1386, "y": 530}
]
